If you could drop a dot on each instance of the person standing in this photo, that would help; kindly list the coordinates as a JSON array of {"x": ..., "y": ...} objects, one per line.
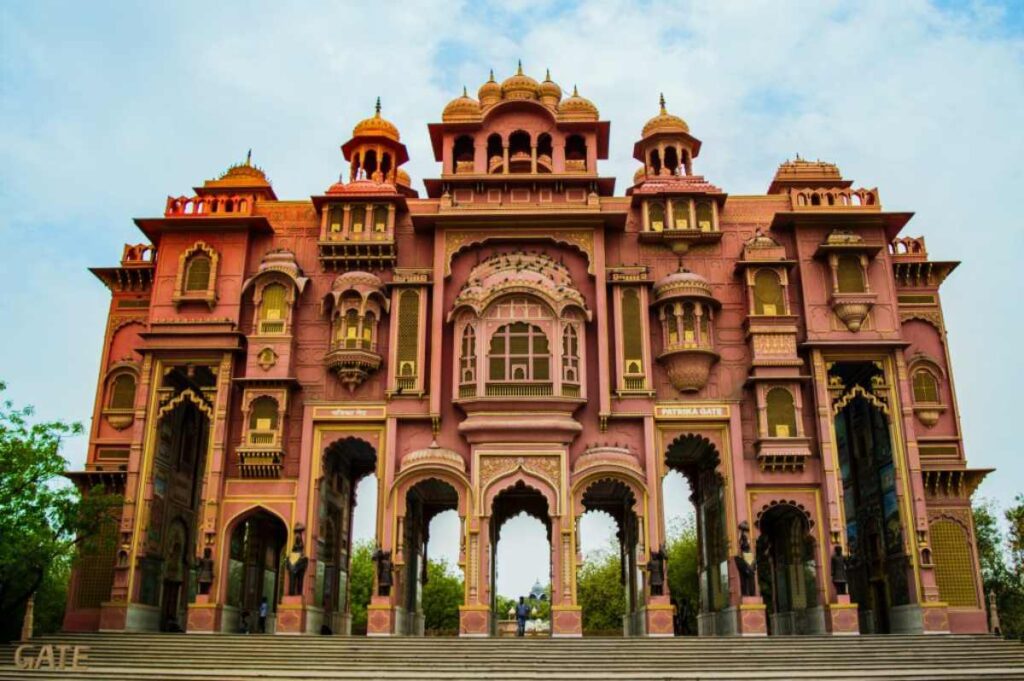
[
  {"x": 264, "y": 611},
  {"x": 522, "y": 612}
]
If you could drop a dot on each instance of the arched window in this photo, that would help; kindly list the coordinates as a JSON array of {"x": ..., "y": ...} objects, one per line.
[
  {"x": 462, "y": 154},
  {"x": 197, "y": 273},
  {"x": 122, "y": 392},
  {"x": 680, "y": 214},
  {"x": 351, "y": 329},
  {"x": 689, "y": 324},
  {"x": 369, "y": 326},
  {"x": 544, "y": 153},
  {"x": 926, "y": 387},
  {"x": 671, "y": 161},
  {"x": 849, "y": 274},
  {"x": 408, "y": 332},
  {"x": 781, "y": 413},
  {"x": 519, "y": 352},
  {"x": 656, "y": 216},
  {"x": 768, "y": 293},
  {"x": 494, "y": 152},
  {"x": 263, "y": 414},
  {"x": 671, "y": 325},
  {"x": 632, "y": 328},
  {"x": 358, "y": 214},
  {"x": 576, "y": 148},
  {"x": 335, "y": 219},
  {"x": 705, "y": 216},
  {"x": 272, "y": 309},
  {"x": 380, "y": 219},
  {"x": 467, "y": 361},
  {"x": 570, "y": 355},
  {"x": 655, "y": 162}
]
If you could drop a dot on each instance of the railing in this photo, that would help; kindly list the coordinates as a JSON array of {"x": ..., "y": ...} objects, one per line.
[
  {"x": 570, "y": 390},
  {"x": 202, "y": 206},
  {"x": 467, "y": 390},
  {"x": 634, "y": 382},
  {"x": 833, "y": 198},
  {"x": 908, "y": 247},
  {"x": 138, "y": 254},
  {"x": 405, "y": 382},
  {"x": 575, "y": 166},
  {"x": 366, "y": 236},
  {"x": 353, "y": 344},
  {"x": 271, "y": 326},
  {"x": 518, "y": 389},
  {"x": 262, "y": 438},
  {"x": 464, "y": 167}
]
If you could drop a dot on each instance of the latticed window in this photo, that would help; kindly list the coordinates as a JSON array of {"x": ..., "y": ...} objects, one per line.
[
  {"x": 358, "y": 219},
  {"x": 926, "y": 387},
  {"x": 263, "y": 414},
  {"x": 632, "y": 333},
  {"x": 656, "y": 216},
  {"x": 954, "y": 565},
  {"x": 467, "y": 362},
  {"x": 380, "y": 219},
  {"x": 197, "y": 272},
  {"x": 849, "y": 274},
  {"x": 351, "y": 329},
  {"x": 689, "y": 324},
  {"x": 781, "y": 413},
  {"x": 336, "y": 219},
  {"x": 705, "y": 216},
  {"x": 768, "y": 293},
  {"x": 570, "y": 355},
  {"x": 519, "y": 352},
  {"x": 369, "y": 324},
  {"x": 408, "y": 332},
  {"x": 272, "y": 309},
  {"x": 680, "y": 214},
  {"x": 122, "y": 392}
]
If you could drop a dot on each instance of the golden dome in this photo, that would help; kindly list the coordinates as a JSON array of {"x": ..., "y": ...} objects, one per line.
[
  {"x": 461, "y": 109},
  {"x": 520, "y": 86},
  {"x": 376, "y": 127},
  {"x": 577, "y": 108},
  {"x": 402, "y": 178},
  {"x": 639, "y": 175},
  {"x": 490, "y": 92},
  {"x": 665, "y": 122},
  {"x": 550, "y": 89}
]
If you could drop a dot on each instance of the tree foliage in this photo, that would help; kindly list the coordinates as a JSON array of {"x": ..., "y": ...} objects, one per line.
[
  {"x": 43, "y": 518},
  {"x": 683, "y": 580},
  {"x": 442, "y": 596},
  {"x": 601, "y": 593},
  {"x": 360, "y": 584},
  {"x": 1002, "y": 561}
]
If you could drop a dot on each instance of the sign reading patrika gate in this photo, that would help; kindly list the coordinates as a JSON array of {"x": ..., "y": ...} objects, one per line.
[
  {"x": 62, "y": 658},
  {"x": 692, "y": 412}
]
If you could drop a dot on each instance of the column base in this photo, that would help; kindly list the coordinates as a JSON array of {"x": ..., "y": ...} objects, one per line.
[
  {"x": 843, "y": 618},
  {"x": 566, "y": 621},
  {"x": 291, "y": 616},
  {"x": 117, "y": 616},
  {"x": 474, "y": 621},
  {"x": 751, "y": 617},
  {"x": 204, "y": 616},
  {"x": 380, "y": 617},
  {"x": 658, "y": 619},
  {"x": 935, "y": 617}
]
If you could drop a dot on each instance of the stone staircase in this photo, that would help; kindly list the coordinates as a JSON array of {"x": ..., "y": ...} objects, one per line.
[{"x": 120, "y": 657}]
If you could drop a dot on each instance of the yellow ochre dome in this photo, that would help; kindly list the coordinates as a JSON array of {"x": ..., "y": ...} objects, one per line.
[
  {"x": 520, "y": 86},
  {"x": 549, "y": 89},
  {"x": 665, "y": 122},
  {"x": 490, "y": 92},
  {"x": 376, "y": 127},
  {"x": 577, "y": 108},
  {"x": 463, "y": 108}
]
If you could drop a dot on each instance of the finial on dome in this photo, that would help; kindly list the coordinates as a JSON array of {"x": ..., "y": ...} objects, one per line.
[
  {"x": 547, "y": 75},
  {"x": 662, "y": 102},
  {"x": 491, "y": 79},
  {"x": 465, "y": 93},
  {"x": 520, "y": 71},
  {"x": 377, "y": 108},
  {"x": 575, "y": 92},
  {"x": 248, "y": 158}
]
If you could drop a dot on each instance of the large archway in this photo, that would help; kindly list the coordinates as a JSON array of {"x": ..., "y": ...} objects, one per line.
[
  {"x": 697, "y": 459},
  {"x": 787, "y": 571},
  {"x": 255, "y": 573},
  {"x": 425, "y": 503},
  {"x": 349, "y": 465},
  {"x": 617, "y": 501},
  {"x": 512, "y": 504}
]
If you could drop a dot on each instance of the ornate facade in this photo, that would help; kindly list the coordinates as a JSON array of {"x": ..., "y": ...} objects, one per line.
[{"x": 523, "y": 339}]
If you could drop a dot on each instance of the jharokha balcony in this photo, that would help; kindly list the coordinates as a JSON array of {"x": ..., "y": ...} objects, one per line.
[
  {"x": 686, "y": 310},
  {"x": 261, "y": 455},
  {"x": 353, "y": 361}
]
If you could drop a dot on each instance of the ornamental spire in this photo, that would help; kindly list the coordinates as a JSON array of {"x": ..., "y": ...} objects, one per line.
[
  {"x": 520, "y": 71},
  {"x": 547, "y": 75},
  {"x": 377, "y": 108},
  {"x": 491, "y": 79},
  {"x": 662, "y": 101}
]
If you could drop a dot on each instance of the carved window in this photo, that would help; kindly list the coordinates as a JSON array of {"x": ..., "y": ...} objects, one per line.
[
  {"x": 769, "y": 296},
  {"x": 705, "y": 216},
  {"x": 350, "y": 329},
  {"x": 680, "y": 214},
  {"x": 380, "y": 219},
  {"x": 198, "y": 269},
  {"x": 954, "y": 564},
  {"x": 467, "y": 361},
  {"x": 519, "y": 352},
  {"x": 369, "y": 325},
  {"x": 926, "y": 387},
  {"x": 358, "y": 219},
  {"x": 849, "y": 274},
  {"x": 335, "y": 219},
  {"x": 655, "y": 216},
  {"x": 122, "y": 392},
  {"x": 263, "y": 414},
  {"x": 570, "y": 355},
  {"x": 408, "y": 333},
  {"x": 781, "y": 413},
  {"x": 273, "y": 309},
  {"x": 632, "y": 333}
]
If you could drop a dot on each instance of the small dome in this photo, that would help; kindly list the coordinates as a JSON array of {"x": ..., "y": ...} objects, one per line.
[
  {"x": 549, "y": 89},
  {"x": 639, "y": 175},
  {"x": 358, "y": 281},
  {"x": 244, "y": 171},
  {"x": 665, "y": 122},
  {"x": 760, "y": 240},
  {"x": 460, "y": 109},
  {"x": 682, "y": 284},
  {"x": 376, "y": 127},
  {"x": 490, "y": 92},
  {"x": 402, "y": 178},
  {"x": 520, "y": 86},
  {"x": 577, "y": 108}
]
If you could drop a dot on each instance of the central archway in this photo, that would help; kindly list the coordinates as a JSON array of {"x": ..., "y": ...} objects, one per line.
[{"x": 425, "y": 501}]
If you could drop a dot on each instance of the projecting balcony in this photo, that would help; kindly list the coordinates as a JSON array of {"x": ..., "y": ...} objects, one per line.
[
  {"x": 261, "y": 455},
  {"x": 688, "y": 366},
  {"x": 782, "y": 454},
  {"x": 353, "y": 361}
]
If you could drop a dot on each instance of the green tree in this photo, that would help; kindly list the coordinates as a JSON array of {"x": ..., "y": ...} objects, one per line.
[
  {"x": 442, "y": 596},
  {"x": 1002, "y": 562},
  {"x": 683, "y": 580},
  {"x": 43, "y": 518},
  {"x": 600, "y": 592},
  {"x": 360, "y": 584}
]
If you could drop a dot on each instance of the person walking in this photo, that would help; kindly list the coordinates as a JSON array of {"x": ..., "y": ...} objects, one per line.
[
  {"x": 264, "y": 611},
  {"x": 522, "y": 612}
]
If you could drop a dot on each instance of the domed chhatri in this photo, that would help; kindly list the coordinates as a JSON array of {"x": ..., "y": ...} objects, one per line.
[
  {"x": 665, "y": 122},
  {"x": 526, "y": 335},
  {"x": 376, "y": 126}
]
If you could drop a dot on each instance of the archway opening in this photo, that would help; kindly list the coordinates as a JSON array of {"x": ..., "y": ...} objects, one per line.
[
  {"x": 495, "y": 149},
  {"x": 787, "y": 572},
  {"x": 462, "y": 154},
  {"x": 521, "y": 564},
  {"x": 697, "y": 459},
  {"x": 255, "y": 573},
  {"x": 519, "y": 152},
  {"x": 683, "y": 569},
  {"x": 431, "y": 588},
  {"x": 606, "y": 584},
  {"x": 348, "y": 528}
]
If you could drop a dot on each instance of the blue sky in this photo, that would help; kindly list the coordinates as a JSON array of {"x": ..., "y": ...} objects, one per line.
[{"x": 108, "y": 107}]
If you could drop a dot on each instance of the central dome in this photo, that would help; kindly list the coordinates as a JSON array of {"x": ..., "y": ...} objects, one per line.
[
  {"x": 376, "y": 127},
  {"x": 461, "y": 109},
  {"x": 665, "y": 122},
  {"x": 520, "y": 86}
]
